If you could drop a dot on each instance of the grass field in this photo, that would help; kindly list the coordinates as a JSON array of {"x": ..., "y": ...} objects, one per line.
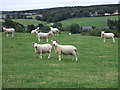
[
  {"x": 85, "y": 21},
  {"x": 97, "y": 65},
  {"x": 88, "y": 21}
]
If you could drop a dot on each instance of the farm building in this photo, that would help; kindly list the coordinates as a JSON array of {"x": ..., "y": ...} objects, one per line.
[
  {"x": 86, "y": 28},
  {"x": 105, "y": 27}
]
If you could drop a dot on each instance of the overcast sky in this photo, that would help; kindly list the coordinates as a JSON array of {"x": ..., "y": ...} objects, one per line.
[{"x": 14, "y": 5}]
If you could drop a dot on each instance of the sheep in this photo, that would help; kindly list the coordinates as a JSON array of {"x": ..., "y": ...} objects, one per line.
[
  {"x": 42, "y": 48},
  {"x": 9, "y": 31},
  {"x": 107, "y": 35},
  {"x": 64, "y": 49},
  {"x": 44, "y": 35},
  {"x": 54, "y": 30},
  {"x": 69, "y": 33},
  {"x": 35, "y": 31}
]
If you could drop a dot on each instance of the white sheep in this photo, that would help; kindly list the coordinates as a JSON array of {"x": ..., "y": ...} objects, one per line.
[
  {"x": 107, "y": 35},
  {"x": 42, "y": 48},
  {"x": 65, "y": 49},
  {"x": 44, "y": 35},
  {"x": 54, "y": 30},
  {"x": 35, "y": 31},
  {"x": 9, "y": 31},
  {"x": 69, "y": 33}
]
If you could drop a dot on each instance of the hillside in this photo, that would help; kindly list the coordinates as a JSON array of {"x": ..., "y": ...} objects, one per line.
[
  {"x": 26, "y": 22},
  {"x": 63, "y": 13},
  {"x": 88, "y": 21}
]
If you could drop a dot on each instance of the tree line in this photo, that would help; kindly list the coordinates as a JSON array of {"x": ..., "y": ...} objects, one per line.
[
  {"x": 62, "y": 13},
  {"x": 114, "y": 26}
]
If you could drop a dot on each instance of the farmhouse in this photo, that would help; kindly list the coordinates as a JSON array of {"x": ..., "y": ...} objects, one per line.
[
  {"x": 104, "y": 27},
  {"x": 39, "y": 15},
  {"x": 86, "y": 28}
]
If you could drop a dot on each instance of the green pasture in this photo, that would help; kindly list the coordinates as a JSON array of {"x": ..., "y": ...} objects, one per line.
[
  {"x": 97, "y": 65},
  {"x": 88, "y": 21}
]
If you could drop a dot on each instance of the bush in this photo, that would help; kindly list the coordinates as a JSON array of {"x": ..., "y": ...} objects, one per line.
[
  {"x": 19, "y": 28},
  {"x": 57, "y": 25},
  {"x": 30, "y": 27},
  {"x": 8, "y": 23},
  {"x": 74, "y": 28},
  {"x": 11, "y": 24},
  {"x": 98, "y": 32}
]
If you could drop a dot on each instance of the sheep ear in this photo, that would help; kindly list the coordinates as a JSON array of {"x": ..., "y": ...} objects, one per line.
[{"x": 56, "y": 40}]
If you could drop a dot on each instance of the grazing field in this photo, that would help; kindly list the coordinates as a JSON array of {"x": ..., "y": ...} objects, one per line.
[
  {"x": 85, "y": 21},
  {"x": 97, "y": 65},
  {"x": 88, "y": 21}
]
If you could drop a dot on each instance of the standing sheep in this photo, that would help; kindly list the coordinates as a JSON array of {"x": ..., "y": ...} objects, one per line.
[
  {"x": 9, "y": 31},
  {"x": 44, "y": 35},
  {"x": 107, "y": 35},
  {"x": 35, "y": 31},
  {"x": 54, "y": 30},
  {"x": 42, "y": 48},
  {"x": 65, "y": 49}
]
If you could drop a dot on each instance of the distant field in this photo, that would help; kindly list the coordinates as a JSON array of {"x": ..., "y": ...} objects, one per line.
[
  {"x": 26, "y": 22},
  {"x": 97, "y": 65},
  {"x": 85, "y": 21},
  {"x": 88, "y": 21}
]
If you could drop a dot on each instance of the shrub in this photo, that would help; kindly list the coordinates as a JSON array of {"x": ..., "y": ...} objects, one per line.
[
  {"x": 30, "y": 27},
  {"x": 98, "y": 32},
  {"x": 74, "y": 28}
]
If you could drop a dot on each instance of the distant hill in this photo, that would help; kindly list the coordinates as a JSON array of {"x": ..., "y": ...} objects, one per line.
[{"x": 63, "y": 13}]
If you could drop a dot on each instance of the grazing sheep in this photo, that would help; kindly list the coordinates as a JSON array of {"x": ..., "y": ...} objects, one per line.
[
  {"x": 54, "y": 30},
  {"x": 44, "y": 35},
  {"x": 107, "y": 35},
  {"x": 9, "y": 31},
  {"x": 69, "y": 33},
  {"x": 65, "y": 49},
  {"x": 42, "y": 48},
  {"x": 35, "y": 31}
]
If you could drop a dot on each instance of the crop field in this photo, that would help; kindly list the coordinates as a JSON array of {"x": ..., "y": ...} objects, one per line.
[
  {"x": 88, "y": 21},
  {"x": 97, "y": 65}
]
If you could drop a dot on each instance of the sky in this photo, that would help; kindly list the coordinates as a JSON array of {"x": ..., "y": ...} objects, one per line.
[{"x": 16, "y": 5}]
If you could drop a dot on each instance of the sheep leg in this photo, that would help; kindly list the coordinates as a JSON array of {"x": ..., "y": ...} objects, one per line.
[
  {"x": 39, "y": 39},
  {"x": 59, "y": 55},
  {"x": 49, "y": 55},
  {"x": 113, "y": 40},
  {"x": 104, "y": 39},
  {"x": 75, "y": 57},
  {"x": 7, "y": 35},
  {"x": 12, "y": 35},
  {"x": 46, "y": 39},
  {"x": 40, "y": 55}
]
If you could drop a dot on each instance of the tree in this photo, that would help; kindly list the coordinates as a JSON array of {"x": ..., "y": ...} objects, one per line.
[
  {"x": 8, "y": 16},
  {"x": 57, "y": 25},
  {"x": 19, "y": 28},
  {"x": 30, "y": 27},
  {"x": 40, "y": 26},
  {"x": 86, "y": 13},
  {"x": 9, "y": 23},
  {"x": 74, "y": 28},
  {"x": 38, "y": 18}
]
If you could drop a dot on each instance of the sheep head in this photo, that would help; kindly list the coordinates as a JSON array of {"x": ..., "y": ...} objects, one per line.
[{"x": 55, "y": 42}]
